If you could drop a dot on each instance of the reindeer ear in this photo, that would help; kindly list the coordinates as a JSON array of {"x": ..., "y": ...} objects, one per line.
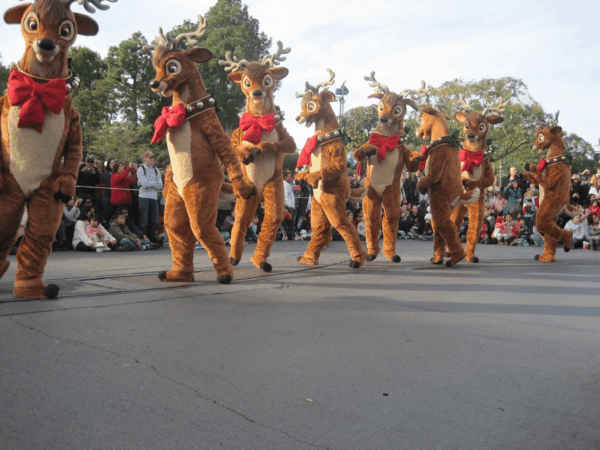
[
  {"x": 14, "y": 15},
  {"x": 199, "y": 54},
  {"x": 235, "y": 77},
  {"x": 495, "y": 119},
  {"x": 460, "y": 116},
  {"x": 86, "y": 26},
  {"x": 411, "y": 103},
  {"x": 279, "y": 72},
  {"x": 378, "y": 95},
  {"x": 556, "y": 129},
  {"x": 328, "y": 96}
]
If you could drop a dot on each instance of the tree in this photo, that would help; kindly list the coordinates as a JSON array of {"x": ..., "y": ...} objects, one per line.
[
  {"x": 4, "y": 73},
  {"x": 230, "y": 28}
]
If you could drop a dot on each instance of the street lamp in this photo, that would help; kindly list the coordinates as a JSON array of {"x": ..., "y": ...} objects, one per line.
[{"x": 341, "y": 92}]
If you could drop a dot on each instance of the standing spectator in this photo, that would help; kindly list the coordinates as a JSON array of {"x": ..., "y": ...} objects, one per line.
[
  {"x": 122, "y": 178},
  {"x": 515, "y": 177},
  {"x": 578, "y": 190},
  {"x": 89, "y": 178},
  {"x": 512, "y": 194},
  {"x": 290, "y": 198},
  {"x": 305, "y": 194},
  {"x": 408, "y": 187},
  {"x": 594, "y": 185},
  {"x": 592, "y": 231},
  {"x": 66, "y": 229},
  {"x": 529, "y": 210},
  {"x": 578, "y": 229},
  {"x": 107, "y": 207},
  {"x": 150, "y": 183}
]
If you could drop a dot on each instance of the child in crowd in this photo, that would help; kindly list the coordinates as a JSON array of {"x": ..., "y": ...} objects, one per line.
[
  {"x": 578, "y": 229},
  {"x": 528, "y": 210},
  {"x": 98, "y": 234},
  {"x": 501, "y": 231},
  {"x": 128, "y": 241}
]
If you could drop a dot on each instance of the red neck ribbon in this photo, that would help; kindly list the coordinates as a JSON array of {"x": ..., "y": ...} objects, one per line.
[
  {"x": 470, "y": 159},
  {"x": 254, "y": 126},
  {"x": 170, "y": 117},
  {"x": 23, "y": 90},
  {"x": 541, "y": 165},
  {"x": 384, "y": 144},
  {"x": 309, "y": 147},
  {"x": 423, "y": 153}
]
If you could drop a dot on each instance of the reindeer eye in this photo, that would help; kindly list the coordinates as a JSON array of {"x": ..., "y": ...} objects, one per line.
[
  {"x": 380, "y": 107},
  {"x": 173, "y": 67},
  {"x": 268, "y": 80},
  {"x": 466, "y": 125},
  {"x": 312, "y": 106},
  {"x": 541, "y": 137},
  {"x": 482, "y": 127},
  {"x": 397, "y": 110},
  {"x": 31, "y": 22},
  {"x": 247, "y": 83},
  {"x": 67, "y": 30}
]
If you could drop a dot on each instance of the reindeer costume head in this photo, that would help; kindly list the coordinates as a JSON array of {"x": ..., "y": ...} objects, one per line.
[{"x": 477, "y": 125}]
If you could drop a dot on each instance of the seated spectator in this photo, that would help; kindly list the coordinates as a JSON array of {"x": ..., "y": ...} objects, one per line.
[
  {"x": 592, "y": 231},
  {"x": 251, "y": 234},
  {"x": 578, "y": 229},
  {"x": 361, "y": 228},
  {"x": 594, "y": 208},
  {"x": 130, "y": 224},
  {"x": 20, "y": 231},
  {"x": 99, "y": 236},
  {"x": 81, "y": 241},
  {"x": 127, "y": 240},
  {"x": 523, "y": 238}
]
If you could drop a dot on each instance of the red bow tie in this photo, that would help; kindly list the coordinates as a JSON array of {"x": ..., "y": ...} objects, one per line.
[
  {"x": 309, "y": 147},
  {"x": 541, "y": 165},
  {"x": 254, "y": 126},
  {"x": 423, "y": 161},
  {"x": 470, "y": 159},
  {"x": 384, "y": 144},
  {"x": 170, "y": 117},
  {"x": 23, "y": 90}
]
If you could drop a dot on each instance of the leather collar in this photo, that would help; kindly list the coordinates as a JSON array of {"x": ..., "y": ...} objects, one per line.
[{"x": 329, "y": 137}]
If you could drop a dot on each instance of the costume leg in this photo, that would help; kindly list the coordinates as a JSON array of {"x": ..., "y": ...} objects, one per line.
[
  {"x": 438, "y": 245},
  {"x": 476, "y": 211},
  {"x": 44, "y": 217},
  {"x": 181, "y": 238},
  {"x": 12, "y": 202},
  {"x": 546, "y": 223},
  {"x": 321, "y": 229},
  {"x": 448, "y": 231},
  {"x": 391, "y": 221},
  {"x": 458, "y": 217},
  {"x": 335, "y": 210},
  {"x": 372, "y": 215},
  {"x": 274, "y": 203},
  {"x": 244, "y": 213}
]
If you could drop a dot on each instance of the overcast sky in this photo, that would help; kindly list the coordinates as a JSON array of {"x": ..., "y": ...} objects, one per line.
[{"x": 554, "y": 47}]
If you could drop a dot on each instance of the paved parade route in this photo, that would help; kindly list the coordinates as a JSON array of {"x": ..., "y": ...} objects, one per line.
[{"x": 503, "y": 354}]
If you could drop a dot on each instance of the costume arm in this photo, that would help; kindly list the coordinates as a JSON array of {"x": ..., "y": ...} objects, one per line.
[
  {"x": 364, "y": 151},
  {"x": 285, "y": 144},
  {"x": 411, "y": 159},
  {"x": 487, "y": 178},
  {"x": 64, "y": 186},
  {"x": 333, "y": 160},
  {"x": 220, "y": 142},
  {"x": 434, "y": 173}
]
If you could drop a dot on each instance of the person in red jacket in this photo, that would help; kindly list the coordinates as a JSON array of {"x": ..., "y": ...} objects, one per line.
[{"x": 124, "y": 178}]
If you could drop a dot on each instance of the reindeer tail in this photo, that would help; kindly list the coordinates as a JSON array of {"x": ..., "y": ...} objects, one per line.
[
  {"x": 571, "y": 211},
  {"x": 356, "y": 195},
  {"x": 469, "y": 197}
]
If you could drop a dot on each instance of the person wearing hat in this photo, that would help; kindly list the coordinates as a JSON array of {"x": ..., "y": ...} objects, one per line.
[{"x": 150, "y": 183}]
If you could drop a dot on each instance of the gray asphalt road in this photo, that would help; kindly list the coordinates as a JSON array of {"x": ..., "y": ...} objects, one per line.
[{"x": 497, "y": 355}]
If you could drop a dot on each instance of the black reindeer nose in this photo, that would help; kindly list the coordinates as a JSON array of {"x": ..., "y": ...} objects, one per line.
[
  {"x": 257, "y": 93},
  {"x": 471, "y": 136},
  {"x": 384, "y": 119},
  {"x": 154, "y": 84},
  {"x": 46, "y": 44}
]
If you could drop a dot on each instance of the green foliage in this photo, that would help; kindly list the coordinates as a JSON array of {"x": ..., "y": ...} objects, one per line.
[
  {"x": 4, "y": 73},
  {"x": 123, "y": 141},
  {"x": 358, "y": 124},
  {"x": 230, "y": 28},
  {"x": 290, "y": 161}
]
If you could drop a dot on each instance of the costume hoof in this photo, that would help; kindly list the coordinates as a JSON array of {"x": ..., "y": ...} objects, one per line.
[
  {"x": 536, "y": 257},
  {"x": 567, "y": 249},
  {"x": 473, "y": 259},
  {"x": 448, "y": 263},
  {"x": 234, "y": 261},
  {"x": 162, "y": 276},
  {"x": 224, "y": 278},
  {"x": 396, "y": 259},
  {"x": 354, "y": 264},
  {"x": 265, "y": 266},
  {"x": 434, "y": 261},
  {"x": 51, "y": 291},
  {"x": 446, "y": 255},
  {"x": 371, "y": 257}
]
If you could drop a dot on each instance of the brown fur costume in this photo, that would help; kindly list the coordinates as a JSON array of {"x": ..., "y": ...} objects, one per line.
[
  {"x": 326, "y": 157},
  {"x": 384, "y": 170},
  {"x": 554, "y": 178},
  {"x": 263, "y": 160},
  {"x": 197, "y": 145},
  {"x": 476, "y": 169},
  {"x": 443, "y": 181},
  {"x": 40, "y": 161}
]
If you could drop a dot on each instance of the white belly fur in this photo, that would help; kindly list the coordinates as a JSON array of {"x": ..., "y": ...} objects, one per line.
[
  {"x": 315, "y": 161},
  {"x": 262, "y": 168},
  {"x": 382, "y": 172},
  {"x": 32, "y": 154},
  {"x": 179, "y": 143}
]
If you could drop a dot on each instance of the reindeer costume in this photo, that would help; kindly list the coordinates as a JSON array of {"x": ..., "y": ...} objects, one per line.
[
  {"x": 197, "y": 145},
  {"x": 325, "y": 156},
  {"x": 40, "y": 137},
  {"x": 261, "y": 143},
  {"x": 443, "y": 181},
  {"x": 553, "y": 175},
  {"x": 477, "y": 172},
  {"x": 386, "y": 155}
]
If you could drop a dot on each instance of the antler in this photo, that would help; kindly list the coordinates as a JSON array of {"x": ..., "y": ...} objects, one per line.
[
  {"x": 553, "y": 121},
  {"x": 416, "y": 95},
  {"x": 274, "y": 59},
  {"x": 161, "y": 40},
  {"x": 376, "y": 84},
  {"x": 465, "y": 106},
  {"x": 315, "y": 89},
  {"x": 232, "y": 64},
  {"x": 89, "y": 4},
  {"x": 202, "y": 24},
  {"x": 441, "y": 105},
  {"x": 498, "y": 109}
]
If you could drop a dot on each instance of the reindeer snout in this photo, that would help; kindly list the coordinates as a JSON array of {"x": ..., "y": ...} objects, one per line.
[
  {"x": 154, "y": 84},
  {"x": 471, "y": 136},
  {"x": 46, "y": 44},
  {"x": 384, "y": 119},
  {"x": 257, "y": 93}
]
